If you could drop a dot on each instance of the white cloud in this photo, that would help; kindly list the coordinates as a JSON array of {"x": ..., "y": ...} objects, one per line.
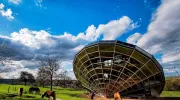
[
  {"x": 68, "y": 36},
  {"x": 32, "y": 39},
  {"x": 38, "y": 2},
  {"x": 14, "y": 68},
  {"x": 31, "y": 45},
  {"x": 90, "y": 34},
  {"x": 67, "y": 66},
  {"x": 163, "y": 34},
  {"x": 164, "y": 26},
  {"x": 71, "y": 74},
  {"x": 133, "y": 38},
  {"x": 1, "y": 6},
  {"x": 6, "y": 13},
  {"x": 78, "y": 48},
  {"x": 170, "y": 57},
  {"x": 31, "y": 66},
  {"x": 115, "y": 28},
  {"x": 110, "y": 30},
  {"x": 16, "y": 73},
  {"x": 15, "y": 1}
]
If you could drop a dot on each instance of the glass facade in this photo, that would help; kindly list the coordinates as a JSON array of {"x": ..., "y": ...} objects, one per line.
[{"x": 110, "y": 66}]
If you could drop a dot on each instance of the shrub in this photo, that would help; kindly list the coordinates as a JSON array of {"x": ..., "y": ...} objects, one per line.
[{"x": 172, "y": 84}]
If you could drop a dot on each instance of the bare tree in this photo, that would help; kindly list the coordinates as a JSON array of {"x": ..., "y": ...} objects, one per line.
[
  {"x": 26, "y": 77},
  {"x": 62, "y": 79},
  {"x": 12, "y": 80},
  {"x": 58, "y": 77},
  {"x": 51, "y": 64},
  {"x": 175, "y": 68},
  {"x": 65, "y": 73},
  {"x": 43, "y": 76}
]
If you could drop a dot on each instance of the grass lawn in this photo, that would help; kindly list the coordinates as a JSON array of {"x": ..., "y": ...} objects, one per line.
[
  {"x": 61, "y": 93},
  {"x": 170, "y": 94}
]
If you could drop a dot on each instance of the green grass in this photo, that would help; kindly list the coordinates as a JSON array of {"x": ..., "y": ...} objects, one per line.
[
  {"x": 61, "y": 93},
  {"x": 170, "y": 94}
]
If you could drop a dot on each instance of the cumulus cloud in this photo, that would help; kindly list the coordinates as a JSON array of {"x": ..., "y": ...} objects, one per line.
[
  {"x": 133, "y": 38},
  {"x": 16, "y": 72},
  {"x": 115, "y": 28},
  {"x": 33, "y": 39},
  {"x": 163, "y": 34},
  {"x": 6, "y": 13},
  {"x": 29, "y": 46},
  {"x": 164, "y": 28},
  {"x": 90, "y": 34},
  {"x": 109, "y": 31},
  {"x": 15, "y": 1},
  {"x": 78, "y": 48},
  {"x": 34, "y": 44}
]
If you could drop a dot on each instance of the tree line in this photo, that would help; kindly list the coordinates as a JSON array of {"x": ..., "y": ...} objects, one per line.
[{"x": 47, "y": 74}]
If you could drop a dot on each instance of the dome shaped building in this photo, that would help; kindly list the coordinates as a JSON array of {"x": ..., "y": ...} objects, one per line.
[{"x": 110, "y": 66}]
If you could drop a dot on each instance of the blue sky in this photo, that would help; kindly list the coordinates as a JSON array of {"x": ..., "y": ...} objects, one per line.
[
  {"x": 74, "y": 17},
  {"x": 40, "y": 26}
]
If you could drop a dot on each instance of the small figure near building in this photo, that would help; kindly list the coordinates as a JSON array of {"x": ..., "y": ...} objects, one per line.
[
  {"x": 117, "y": 96},
  {"x": 93, "y": 95}
]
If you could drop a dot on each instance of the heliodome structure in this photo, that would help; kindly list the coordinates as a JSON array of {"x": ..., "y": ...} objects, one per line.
[{"x": 110, "y": 66}]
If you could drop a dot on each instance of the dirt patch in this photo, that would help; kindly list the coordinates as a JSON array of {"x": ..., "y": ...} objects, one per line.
[
  {"x": 95, "y": 98},
  {"x": 84, "y": 96}
]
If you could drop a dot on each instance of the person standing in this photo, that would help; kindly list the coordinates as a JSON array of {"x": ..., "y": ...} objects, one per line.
[
  {"x": 93, "y": 95},
  {"x": 117, "y": 96}
]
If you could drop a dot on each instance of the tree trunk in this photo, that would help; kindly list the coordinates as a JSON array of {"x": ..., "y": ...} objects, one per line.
[
  {"x": 51, "y": 82},
  {"x": 12, "y": 81},
  {"x": 64, "y": 82},
  {"x": 25, "y": 83}
]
